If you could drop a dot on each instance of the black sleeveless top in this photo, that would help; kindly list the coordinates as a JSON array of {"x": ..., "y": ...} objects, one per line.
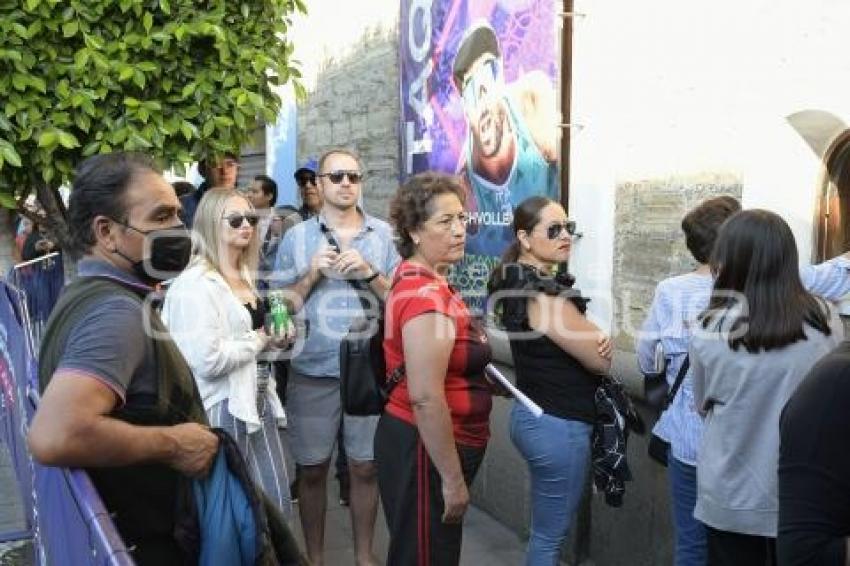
[
  {"x": 551, "y": 377},
  {"x": 258, "y": 314}
]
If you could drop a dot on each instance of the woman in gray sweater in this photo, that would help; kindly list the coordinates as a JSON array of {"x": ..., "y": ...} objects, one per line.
[{"x": 759, "y": 336}]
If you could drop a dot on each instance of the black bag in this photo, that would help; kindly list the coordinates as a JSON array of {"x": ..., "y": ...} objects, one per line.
[
  {"x": 655, "y": 388},
  {"x": 364, "y": 385},
  {"x": 658, "y": 448}
]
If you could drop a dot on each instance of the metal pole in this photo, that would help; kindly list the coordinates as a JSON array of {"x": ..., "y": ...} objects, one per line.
[
  {"x": 566, "y": 98},
  {"x": 36, "y": 260}
]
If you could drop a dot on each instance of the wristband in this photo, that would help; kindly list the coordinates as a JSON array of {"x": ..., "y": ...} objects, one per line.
[{"x": 372, "y": 277}]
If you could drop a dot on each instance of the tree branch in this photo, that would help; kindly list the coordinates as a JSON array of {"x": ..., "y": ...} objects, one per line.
[
  {"x": 54, "y": 218},
  {"x": 60, "y": 204}
]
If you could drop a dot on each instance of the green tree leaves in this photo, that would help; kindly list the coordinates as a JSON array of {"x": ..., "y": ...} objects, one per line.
[
  {"x": 8, "y": 154},
  {"x": 174, "y": 78}
]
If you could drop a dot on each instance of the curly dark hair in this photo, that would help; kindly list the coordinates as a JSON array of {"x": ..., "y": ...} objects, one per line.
[
  {"x": 701, "y": 225},
  {"x": 411, "y": 205}
]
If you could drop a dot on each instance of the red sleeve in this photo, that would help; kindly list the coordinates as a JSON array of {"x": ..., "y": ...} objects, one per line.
[{"x": 419, "y": 295}]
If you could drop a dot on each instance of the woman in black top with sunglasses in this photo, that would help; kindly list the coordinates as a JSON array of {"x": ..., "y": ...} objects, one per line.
[
  {"x": 216, "y": 318},
  {"x": 558, "y": 356}
]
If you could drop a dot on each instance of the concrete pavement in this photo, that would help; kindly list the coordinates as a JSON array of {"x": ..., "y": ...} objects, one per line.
[{"x": 485, "y": 541}]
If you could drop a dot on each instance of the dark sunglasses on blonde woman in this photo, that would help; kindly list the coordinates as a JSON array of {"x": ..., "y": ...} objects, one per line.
[
  {"x": 554, "y": 231},
  {"x": 336, "y": 176},
  {"x": 236, "y": 220}
]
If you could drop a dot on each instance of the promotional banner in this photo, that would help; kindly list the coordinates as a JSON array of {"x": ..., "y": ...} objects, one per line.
[
  {"x": 479, "y": 99},
  {"x": 14, "y": 410}
]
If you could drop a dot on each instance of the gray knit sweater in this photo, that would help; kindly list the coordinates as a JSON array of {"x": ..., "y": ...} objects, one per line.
[{"x": 744, "y": 395}]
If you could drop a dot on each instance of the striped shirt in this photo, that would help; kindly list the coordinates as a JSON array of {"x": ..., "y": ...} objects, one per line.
[{"x": 677, "y": 303}]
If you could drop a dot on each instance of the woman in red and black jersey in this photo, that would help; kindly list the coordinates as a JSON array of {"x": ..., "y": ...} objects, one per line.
[{"x": 432, "y": 436}]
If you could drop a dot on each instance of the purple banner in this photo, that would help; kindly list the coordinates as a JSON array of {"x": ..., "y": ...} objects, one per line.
[
  {"x": 479, "y": 98},
  {"x": 16, "y": 368}
]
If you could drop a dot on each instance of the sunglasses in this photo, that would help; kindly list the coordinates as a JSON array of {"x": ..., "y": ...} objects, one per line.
[
  {"x": 302, "y": 181},
  {"x": 236, "y": 220},
  {"x": 554, "y": 231},
  {"x": 354, "y": 177},
  {"x": 481, "y": 83}
]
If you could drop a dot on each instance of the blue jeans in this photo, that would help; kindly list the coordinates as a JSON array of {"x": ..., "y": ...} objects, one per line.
[
  {"x": 691, "y": 545},
  {"x": 558, "y": 455}
]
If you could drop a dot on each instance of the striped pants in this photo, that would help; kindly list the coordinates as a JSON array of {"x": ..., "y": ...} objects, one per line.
[{"x": 263, "y": 450}]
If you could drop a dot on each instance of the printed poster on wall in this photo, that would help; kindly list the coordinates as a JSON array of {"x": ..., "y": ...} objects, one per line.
[{"x": 479, "y": 99}]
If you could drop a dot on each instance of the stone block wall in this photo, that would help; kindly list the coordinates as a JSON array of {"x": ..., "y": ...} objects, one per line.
[
  {"x": 649, "y": 244},
  {"x": 355, "y": 104}
]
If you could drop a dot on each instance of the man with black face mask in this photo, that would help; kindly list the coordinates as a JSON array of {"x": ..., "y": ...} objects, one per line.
[{"x": 117, "y": 396}]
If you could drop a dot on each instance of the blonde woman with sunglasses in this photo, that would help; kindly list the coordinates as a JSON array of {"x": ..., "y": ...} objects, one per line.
[{"x": 216, "y": 317}]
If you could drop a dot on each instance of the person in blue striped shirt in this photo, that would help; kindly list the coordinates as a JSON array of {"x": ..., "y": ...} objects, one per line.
[{"x": 677, "y": 303}]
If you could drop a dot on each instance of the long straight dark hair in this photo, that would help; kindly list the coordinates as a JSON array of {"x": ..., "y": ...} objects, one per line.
[
  {"x": 755, "y": 261},
  {"x": 526, "y": 217}
]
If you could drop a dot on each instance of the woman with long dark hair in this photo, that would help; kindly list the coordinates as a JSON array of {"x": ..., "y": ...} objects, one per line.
[
  {"x": 559, "y": 357},
  {"x": 759, "y": 336}
]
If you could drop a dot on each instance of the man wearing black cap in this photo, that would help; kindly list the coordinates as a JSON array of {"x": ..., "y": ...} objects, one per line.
[
  {"x": 311, "y": 199},
  {"x": 510, "y": 152}
]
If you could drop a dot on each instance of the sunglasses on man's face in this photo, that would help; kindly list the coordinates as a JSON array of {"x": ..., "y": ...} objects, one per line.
[
  {"x": 302, "y": 181},
  {"x": 354, "y": 177},
  {"x": 236, "y": 220},
  {"x": 554, "y": 231}
]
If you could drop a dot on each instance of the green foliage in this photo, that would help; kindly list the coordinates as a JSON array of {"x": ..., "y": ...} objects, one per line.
[{"x": 173, "y": 78}]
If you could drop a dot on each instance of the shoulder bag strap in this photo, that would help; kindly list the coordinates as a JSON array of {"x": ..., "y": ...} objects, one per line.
[
  {"x": 686, "y": 364},
  {"x": 356, "y": 284}
]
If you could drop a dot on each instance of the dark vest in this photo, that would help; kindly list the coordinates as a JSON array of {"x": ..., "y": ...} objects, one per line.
[{"x": 142, "y": 497}]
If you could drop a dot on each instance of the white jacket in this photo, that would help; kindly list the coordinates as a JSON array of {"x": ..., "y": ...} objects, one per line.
[{"x": 213, "y": 331}]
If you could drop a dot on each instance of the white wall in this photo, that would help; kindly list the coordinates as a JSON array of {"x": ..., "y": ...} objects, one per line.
[{"x": 679, "y": 87}]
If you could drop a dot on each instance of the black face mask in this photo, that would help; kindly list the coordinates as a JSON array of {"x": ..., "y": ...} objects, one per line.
[{"x": 170, "y": 252}]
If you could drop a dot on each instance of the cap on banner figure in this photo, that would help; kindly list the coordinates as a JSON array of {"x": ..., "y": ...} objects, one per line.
[{"x": 510, "y": 153}]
